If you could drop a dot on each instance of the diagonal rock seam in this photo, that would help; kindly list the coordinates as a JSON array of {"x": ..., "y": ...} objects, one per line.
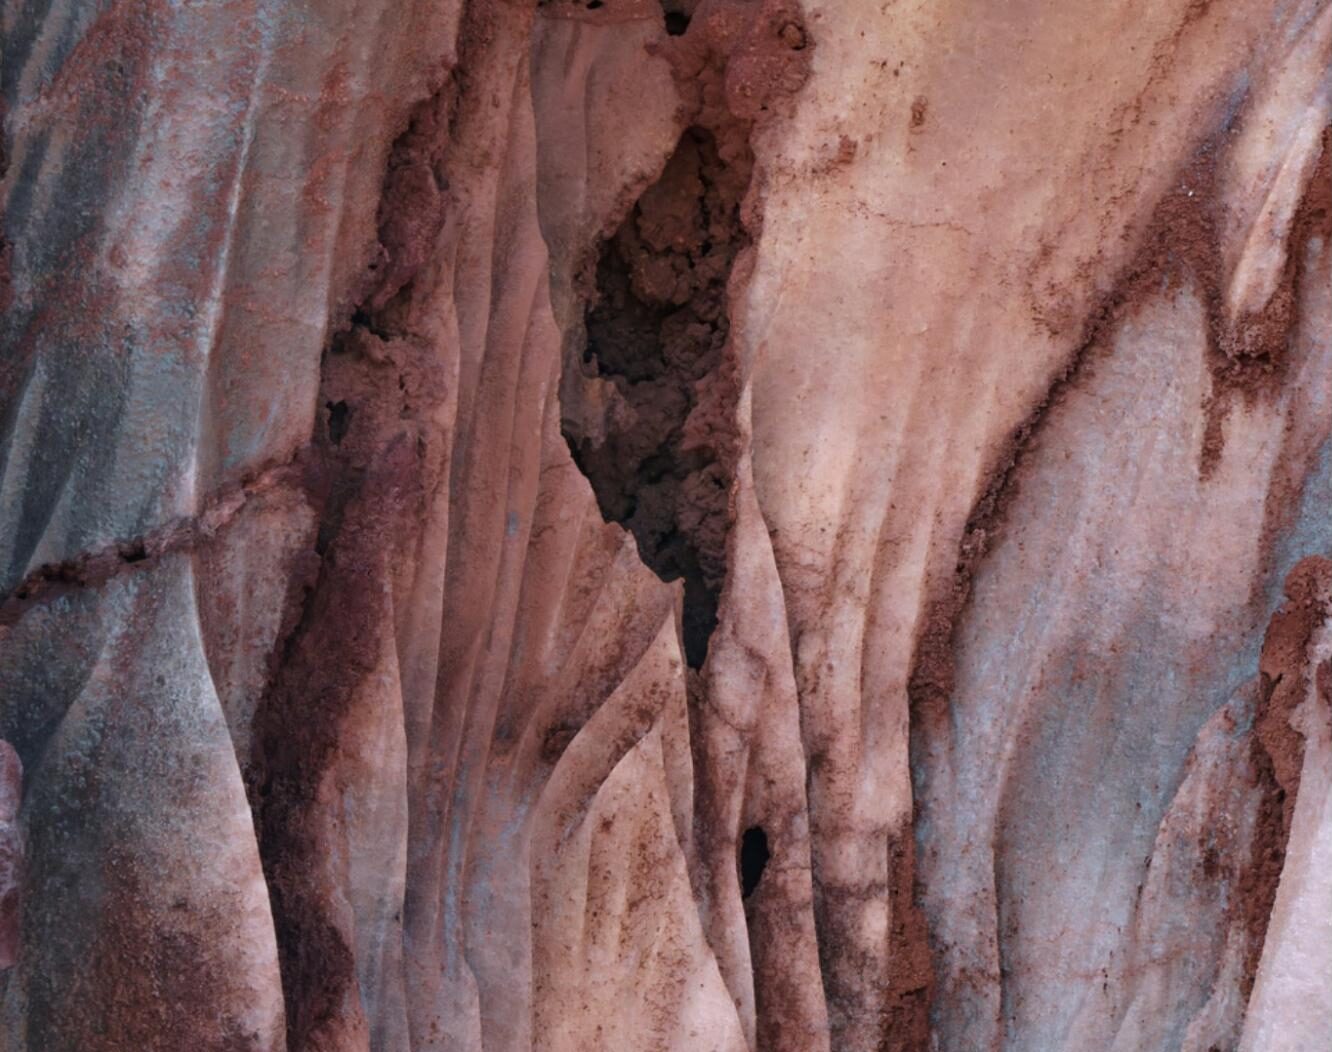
[
  {"x": 410, "y": 217},
  {"x": 183, "y": 534}
]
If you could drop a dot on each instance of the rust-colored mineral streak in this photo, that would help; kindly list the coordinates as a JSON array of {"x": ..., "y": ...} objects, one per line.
[{"x": 645, "y": 525}]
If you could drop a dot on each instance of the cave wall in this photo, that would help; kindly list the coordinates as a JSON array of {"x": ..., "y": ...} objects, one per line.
[{"x": 723, "y": 525}]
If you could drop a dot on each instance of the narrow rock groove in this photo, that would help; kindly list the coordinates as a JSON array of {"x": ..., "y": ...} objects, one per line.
[{"x": 666, "y": 525}]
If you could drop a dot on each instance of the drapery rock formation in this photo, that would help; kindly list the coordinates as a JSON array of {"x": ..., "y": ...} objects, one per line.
[{"x": 776, "y": 525}]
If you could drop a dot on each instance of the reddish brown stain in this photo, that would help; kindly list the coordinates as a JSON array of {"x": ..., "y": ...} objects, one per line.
[
  {"x": 910, "y": 967},
  {"x": 1277, "y": 748},
  {"x": 919, "y": 107},
  {"x": 1180, "y": 245},
  {"x": 369, "y": 470}
]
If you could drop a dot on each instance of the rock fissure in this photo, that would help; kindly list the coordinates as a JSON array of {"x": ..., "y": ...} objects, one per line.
[
  {"x": 185, "y": 533},
  {"x": 660, "y": 456},
  {"x": 649, "y": 415},
  {"x": 753, "y": 858}
]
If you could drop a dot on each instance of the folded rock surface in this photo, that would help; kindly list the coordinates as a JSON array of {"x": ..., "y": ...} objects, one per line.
[{"x": 735, "y": 524}]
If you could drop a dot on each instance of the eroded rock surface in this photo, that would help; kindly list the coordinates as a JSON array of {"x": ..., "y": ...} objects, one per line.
[{"x": 704, "y": 524}]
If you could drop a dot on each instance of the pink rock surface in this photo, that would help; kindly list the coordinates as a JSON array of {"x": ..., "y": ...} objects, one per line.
[{"x": 735, "y": 525}]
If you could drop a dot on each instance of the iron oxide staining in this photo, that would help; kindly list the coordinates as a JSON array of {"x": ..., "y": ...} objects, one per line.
[
  {"x": 1288, "y": 667},
  {"x": 657, "y": 436}
]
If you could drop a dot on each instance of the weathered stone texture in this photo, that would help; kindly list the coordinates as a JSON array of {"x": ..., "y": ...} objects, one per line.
[{"x": 704, "y": 524}]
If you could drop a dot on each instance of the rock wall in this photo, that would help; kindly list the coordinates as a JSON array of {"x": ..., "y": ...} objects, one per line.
[{"x": 700, "y": 524}]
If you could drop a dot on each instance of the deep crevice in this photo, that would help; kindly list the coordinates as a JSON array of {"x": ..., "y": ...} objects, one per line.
[
  {"x": 754, "y": 856},
  {"x": 650, "y": 419},
  {"x": 338, "y": 421}
]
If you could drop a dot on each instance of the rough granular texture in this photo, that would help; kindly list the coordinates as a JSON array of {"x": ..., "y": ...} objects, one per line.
[
  {"x": 660, "y": 450},
  {"x": 1287, "y": 673},
  {"x": 395, "y": 404},
  {"x": 657, "y": 332},
  {"x": 6, "y": 250}
]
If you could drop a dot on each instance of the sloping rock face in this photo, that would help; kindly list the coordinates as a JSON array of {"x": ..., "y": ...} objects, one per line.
[{"x": 721, "y": 525}]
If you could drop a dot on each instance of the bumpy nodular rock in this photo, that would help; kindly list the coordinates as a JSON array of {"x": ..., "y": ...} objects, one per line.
[{"x": 712, "y": 524}]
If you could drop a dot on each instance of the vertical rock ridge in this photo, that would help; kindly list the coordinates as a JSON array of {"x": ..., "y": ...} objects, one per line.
[
  {"x": 374, "y": 462},
  {"x": 703, "y": 524}
]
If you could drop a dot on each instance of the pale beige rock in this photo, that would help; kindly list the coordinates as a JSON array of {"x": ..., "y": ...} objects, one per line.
[{"x": 345, "y": 722}]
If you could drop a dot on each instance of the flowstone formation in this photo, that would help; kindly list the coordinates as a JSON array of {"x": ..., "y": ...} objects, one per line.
[{"x": 738, "y": 525}]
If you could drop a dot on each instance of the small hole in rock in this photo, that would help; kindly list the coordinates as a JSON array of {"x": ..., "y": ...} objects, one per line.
[
  {"x": 754, "y": 857},
  {"x": 338, "y": 412},
  {"x": 556, "y": 741},
  {"x": 676, "y": 23},
  {"x": 365, "y": 320},
  {"x": 793, "y": 36},
  {"x": 592, "y": 5}
]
